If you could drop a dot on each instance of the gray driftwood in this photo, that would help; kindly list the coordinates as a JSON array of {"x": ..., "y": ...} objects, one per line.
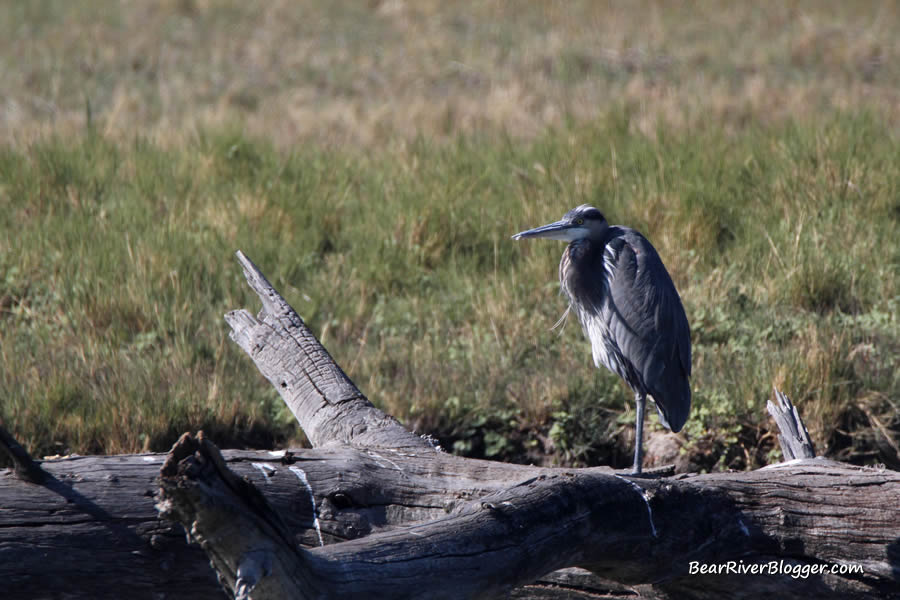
[
  {"x": 375, "y": 511},
  {"x": 94, "y": 528}
]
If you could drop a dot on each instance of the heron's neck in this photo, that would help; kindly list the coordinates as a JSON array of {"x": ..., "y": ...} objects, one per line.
[{"x": 580, "y": 250}]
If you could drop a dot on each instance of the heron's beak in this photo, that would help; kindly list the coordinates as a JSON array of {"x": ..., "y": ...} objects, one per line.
[{"x": 564, "y": 231}]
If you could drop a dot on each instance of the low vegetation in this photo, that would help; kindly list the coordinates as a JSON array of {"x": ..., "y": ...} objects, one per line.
[{"x": 117, "y": 268}]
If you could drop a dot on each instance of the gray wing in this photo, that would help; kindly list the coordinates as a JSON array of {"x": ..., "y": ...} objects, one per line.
[{"x": 648, "y": 323}]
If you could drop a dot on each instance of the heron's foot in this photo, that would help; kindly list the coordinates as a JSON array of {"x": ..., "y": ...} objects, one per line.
[
  {"x": 638, "y": 465},
  {"x": 638, "y": 462},
  {"x": 653, "y": 473}
]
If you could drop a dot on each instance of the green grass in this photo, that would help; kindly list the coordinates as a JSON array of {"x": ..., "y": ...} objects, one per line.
[{"x": 116, "y": 267}]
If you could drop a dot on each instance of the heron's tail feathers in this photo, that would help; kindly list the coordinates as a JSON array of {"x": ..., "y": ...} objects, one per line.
[{"x": 675, "y": 405}]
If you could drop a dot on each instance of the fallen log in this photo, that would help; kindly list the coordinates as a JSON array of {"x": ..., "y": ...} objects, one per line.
[
  {"x": 97, "y": 527},
  {"x": 375, "y": 511},
  {"x": 635, "y": 532}
]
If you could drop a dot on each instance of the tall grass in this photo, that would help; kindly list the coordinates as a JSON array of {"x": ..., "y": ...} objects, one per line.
[
  {"x": 116, "y": 268},
  {"x": 350, "y": 72}
]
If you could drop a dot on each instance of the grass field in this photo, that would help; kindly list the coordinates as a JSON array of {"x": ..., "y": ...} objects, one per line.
[{"x": 374, "y": 158}]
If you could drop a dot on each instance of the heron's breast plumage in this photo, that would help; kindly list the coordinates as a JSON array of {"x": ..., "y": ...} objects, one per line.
[{"x": 584, "y": 274}]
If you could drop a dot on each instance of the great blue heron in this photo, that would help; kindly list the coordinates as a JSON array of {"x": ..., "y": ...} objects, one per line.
[{"x": 629, "y": 309}]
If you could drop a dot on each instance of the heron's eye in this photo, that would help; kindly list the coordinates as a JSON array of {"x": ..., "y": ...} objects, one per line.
[{"x": 579, "y": 221}]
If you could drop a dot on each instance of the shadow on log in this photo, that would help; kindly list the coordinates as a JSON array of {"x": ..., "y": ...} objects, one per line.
[{"x": 375, "y": 511}]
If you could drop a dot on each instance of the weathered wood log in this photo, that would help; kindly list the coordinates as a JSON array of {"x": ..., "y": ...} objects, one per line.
[
  {"x": 92, "y": 528},
  {"x": 97, "y": 525},
  {"x": 632, "y": 531},
  {"x": 797, "y": 516},
  {"x": 523, "y": 532}
]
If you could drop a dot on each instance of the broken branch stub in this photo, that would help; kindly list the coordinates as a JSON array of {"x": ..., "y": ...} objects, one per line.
[
  {"x": 23, "y": 465},
  {"x": 328, "y": 406},
  {"x": 793, "y": 435}
]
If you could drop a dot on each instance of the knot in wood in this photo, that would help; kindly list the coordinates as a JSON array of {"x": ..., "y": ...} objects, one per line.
[{"x": 340, "y": 500}]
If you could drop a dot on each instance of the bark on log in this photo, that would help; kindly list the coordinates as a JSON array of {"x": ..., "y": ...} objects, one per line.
[{"x": 92, "y": 531}]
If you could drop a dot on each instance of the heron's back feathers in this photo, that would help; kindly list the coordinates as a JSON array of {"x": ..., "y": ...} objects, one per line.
[{"x": 632, "y": 314}]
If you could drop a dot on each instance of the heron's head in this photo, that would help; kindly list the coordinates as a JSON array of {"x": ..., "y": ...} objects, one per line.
[{"x": 579, "y": 223}]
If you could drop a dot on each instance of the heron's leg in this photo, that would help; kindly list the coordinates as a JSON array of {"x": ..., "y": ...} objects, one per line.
[{"x": 639, "y": 399}]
